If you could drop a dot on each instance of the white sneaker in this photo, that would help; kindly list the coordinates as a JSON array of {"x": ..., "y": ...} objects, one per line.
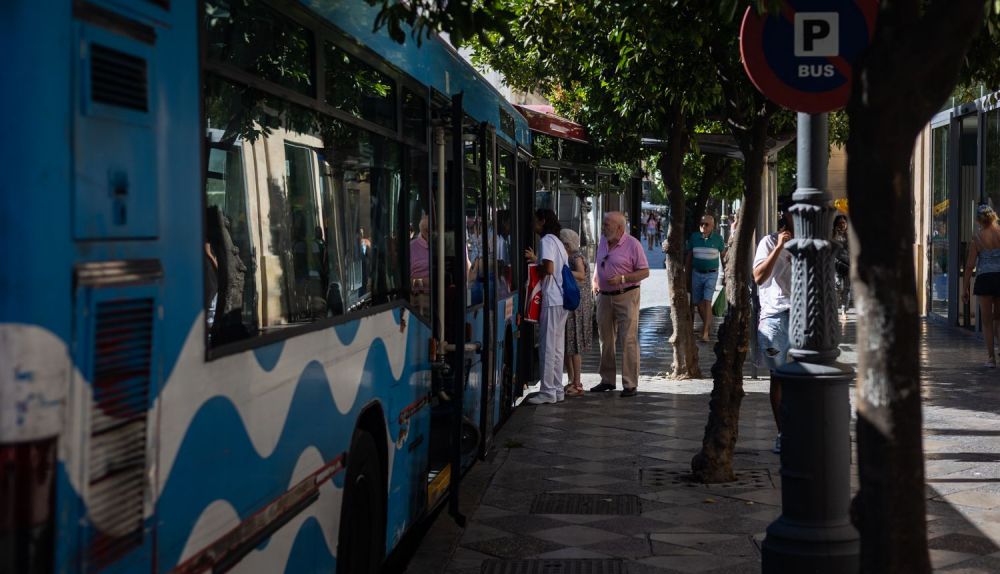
[
  {"x": 560, "y": 398},
  {"x": 541, "y": 400}
]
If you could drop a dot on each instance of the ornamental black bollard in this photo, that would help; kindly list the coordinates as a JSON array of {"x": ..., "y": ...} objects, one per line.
[{"x": 814, "y": 532}]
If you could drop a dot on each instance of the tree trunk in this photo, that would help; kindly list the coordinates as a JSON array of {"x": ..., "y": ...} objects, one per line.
[
  {"x": 671, "y": 161},
  {"x": 904, "y": 77},
  {"x": 715, "y": 461}
]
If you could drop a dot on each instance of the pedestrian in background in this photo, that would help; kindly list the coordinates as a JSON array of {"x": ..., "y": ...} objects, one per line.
[
  {"x": 984, "y": 254},
  {"x": 705, "y": 250},
  {"x": 650, "y": 229},
  {"x": 621, "y": 265},
  {"x": 842, "y": 263},
  {"x": 772, "y": 271},
  {"x": 579, "y": 323},
  {"x": 552, "y": 322}
]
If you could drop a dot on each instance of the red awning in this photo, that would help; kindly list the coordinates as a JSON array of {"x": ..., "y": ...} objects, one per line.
[{"x": 542, "y": 119}]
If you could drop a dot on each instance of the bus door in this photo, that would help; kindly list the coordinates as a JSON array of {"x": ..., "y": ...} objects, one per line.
[
  {"x": 457, "y": 368},
  {"x": 507, "y": 280},
  {"x": 525, "y": 203},
  {"x": 487, "y": 278},
  {"x": 473, "y": 214}
]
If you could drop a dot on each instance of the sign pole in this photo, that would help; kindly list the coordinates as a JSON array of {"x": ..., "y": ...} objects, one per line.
[{"x": 814, "y": 532}]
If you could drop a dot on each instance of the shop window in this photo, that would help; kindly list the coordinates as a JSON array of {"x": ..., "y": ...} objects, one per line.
[
  {"x": 991, "y": 174},
  {"x": 359, "y": 89},
  {"x": 258, "y": 39},
  {"x": 939, "y": 221}
]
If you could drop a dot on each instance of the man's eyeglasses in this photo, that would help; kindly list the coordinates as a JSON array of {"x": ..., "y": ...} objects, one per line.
[{"x": 703, "y": 224}]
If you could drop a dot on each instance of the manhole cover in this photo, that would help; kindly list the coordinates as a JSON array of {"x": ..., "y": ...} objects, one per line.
[
  {"x": 656, "y": 477},
  {"x": 551, "y": 503},
  {"x": 575, "y": 566}
]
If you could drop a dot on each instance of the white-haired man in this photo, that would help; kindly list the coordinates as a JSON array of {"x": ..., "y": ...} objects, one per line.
[{"x": 621, "y": 264}]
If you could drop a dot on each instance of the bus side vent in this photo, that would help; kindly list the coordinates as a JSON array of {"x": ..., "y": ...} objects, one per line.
[
  {"x": 118, "y": 79},
  {"x": 122, "y": 362}
]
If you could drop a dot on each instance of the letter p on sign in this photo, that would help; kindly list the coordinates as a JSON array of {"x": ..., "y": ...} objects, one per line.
[{"x": 817, "y": 34}]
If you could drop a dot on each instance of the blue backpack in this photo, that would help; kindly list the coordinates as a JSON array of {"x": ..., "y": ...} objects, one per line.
[{"x": 571, "y": 291}]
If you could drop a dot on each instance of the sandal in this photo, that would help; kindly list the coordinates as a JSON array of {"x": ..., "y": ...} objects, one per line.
[{"x": 574, "y": 391}]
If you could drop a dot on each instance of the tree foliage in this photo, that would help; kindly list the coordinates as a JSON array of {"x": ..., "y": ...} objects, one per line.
[{"x": 462, "y": 20}]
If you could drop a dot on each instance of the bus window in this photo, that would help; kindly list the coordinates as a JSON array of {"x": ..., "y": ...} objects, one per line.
[
  {"x": 504, "y": 247},
  {"x": 230, "y": 286},
  {"x": 358, "y": 88},
  {"x": 473, "y": 223},
  {"x": 327, "y": 206},
  {"x": 420, "y": 221},
  {"x": 262, "y": 41}
]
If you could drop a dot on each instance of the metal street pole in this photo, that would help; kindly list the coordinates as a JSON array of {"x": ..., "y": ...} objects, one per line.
[{"x": 814, "y": 532}]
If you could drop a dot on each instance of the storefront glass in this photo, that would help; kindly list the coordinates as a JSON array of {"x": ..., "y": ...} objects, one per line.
[
  {"x": 939, "y": 222},
  {"x": 991, "y": 161}
]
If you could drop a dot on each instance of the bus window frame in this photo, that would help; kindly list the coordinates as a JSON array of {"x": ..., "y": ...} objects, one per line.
[{"x": 322, "y": 31}]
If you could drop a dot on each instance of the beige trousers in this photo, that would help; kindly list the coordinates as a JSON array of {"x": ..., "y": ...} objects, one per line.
[{"x": 618, "y": 316}]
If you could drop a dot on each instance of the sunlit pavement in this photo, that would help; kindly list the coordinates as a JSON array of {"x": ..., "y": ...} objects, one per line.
[{"x": 642, "y": 446}]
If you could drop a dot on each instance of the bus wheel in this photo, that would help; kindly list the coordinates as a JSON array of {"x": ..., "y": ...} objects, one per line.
[{"x": 361, "y": 544}]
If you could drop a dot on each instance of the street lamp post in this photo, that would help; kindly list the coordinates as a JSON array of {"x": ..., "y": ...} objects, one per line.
[{"x": 814, "y": 532}]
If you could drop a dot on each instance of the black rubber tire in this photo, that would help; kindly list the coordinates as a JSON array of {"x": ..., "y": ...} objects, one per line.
[{"x": 361, "y": 542}]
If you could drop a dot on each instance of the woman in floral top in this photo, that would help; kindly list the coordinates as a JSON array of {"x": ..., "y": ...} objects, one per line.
[{"x": 580, "y": 324}]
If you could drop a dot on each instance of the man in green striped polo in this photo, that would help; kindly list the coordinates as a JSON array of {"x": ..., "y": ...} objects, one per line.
[{"x": 705, "y": 250}]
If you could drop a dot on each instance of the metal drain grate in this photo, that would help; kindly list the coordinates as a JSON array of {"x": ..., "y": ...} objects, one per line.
[
  {"x": 574, "y": 566},
  {"x": 654, "y": 477},
  {"x": 616, "y": 504}
]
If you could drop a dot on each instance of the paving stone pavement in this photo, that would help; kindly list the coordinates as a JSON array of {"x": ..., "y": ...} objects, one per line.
[{"x": 642, "y": 446}]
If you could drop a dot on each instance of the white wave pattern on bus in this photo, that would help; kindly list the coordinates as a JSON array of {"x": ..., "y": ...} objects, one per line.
[
  {"x": 219, "y": 516},
  {"x": 262, "y": 397}
]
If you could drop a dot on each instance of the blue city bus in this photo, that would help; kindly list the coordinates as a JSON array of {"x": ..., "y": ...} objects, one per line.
[{"x": 260, "y": 284}]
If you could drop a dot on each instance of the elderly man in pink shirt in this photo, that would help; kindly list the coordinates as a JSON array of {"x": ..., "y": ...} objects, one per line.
[
  {"x": 621, "y": 264},
  {"x": 420, "y": 269}
]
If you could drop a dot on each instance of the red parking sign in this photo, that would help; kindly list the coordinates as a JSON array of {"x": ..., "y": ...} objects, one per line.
[{"x": 802, "y": 56}]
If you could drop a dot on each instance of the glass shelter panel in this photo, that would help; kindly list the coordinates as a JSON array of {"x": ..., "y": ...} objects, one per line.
[{"x": 545, "y": 184}]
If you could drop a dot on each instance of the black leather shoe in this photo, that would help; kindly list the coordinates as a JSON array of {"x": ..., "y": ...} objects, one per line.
[
  {"x": 602, "y": 388},
  {"x": 628, "y": 392}
]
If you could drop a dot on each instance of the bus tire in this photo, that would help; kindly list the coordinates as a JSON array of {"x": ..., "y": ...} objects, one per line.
[{"x": 361, "y": 541}]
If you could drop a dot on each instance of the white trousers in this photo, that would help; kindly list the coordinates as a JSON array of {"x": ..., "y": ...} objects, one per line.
[{"x": 552, "y": 349}]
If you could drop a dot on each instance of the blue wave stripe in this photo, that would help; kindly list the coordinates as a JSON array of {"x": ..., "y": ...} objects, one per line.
[
  {"x": 217, "y": 460},
  {"x": 269, "y": 355},
  {"x": 309, "y": 552}
]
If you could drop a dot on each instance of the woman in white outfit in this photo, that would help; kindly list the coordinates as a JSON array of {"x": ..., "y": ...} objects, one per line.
[{"x": 552, "y": 322}]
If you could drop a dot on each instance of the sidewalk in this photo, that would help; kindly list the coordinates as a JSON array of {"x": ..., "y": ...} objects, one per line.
[{"x": 601, "y": 479}]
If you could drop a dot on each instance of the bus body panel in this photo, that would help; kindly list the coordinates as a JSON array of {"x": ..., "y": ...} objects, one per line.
[{"x": 226, "y": 436}]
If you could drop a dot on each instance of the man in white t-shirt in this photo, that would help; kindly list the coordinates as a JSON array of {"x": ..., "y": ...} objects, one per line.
[
  {"x": 551, "y": 259},
  {"x": 772, "y": 271}
]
